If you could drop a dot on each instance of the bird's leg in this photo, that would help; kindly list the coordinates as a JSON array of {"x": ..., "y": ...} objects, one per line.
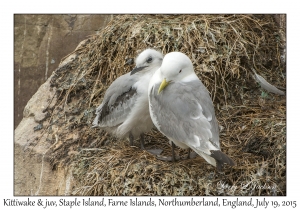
[
  {"x": 142, "y": 141},
  {"x": 173, "y": 158},
  {"x": 152, "y": 151},
  {"x": 173, "y": 152},
  {"x": 130, "y": 139}
]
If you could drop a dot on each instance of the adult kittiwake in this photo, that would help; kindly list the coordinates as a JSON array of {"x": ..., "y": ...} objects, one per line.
[
  {"x": 124, "y": 111},
  {"x": 181, "y": 108}
]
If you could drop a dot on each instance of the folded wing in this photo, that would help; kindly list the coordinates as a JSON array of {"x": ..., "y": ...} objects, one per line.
[{"x": 117, "y": 102}]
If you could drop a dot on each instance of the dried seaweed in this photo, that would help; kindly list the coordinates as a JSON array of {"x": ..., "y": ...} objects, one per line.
[{"x": 223, "y": 49}]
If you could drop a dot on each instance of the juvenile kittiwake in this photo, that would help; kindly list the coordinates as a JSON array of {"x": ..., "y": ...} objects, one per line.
[
  {"x": 181, "y": 108},
  {"x": 124, "y": 111}
]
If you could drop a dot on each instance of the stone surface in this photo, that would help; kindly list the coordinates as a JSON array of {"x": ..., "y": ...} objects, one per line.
[
  {"x": 40, "y": 42},
  {"x": 33, "y": 173}
]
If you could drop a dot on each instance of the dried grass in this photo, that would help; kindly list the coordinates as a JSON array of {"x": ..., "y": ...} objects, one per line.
[{"x": 223, "y": 49}]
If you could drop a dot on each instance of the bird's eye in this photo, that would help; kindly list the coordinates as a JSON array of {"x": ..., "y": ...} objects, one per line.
[
  {"x": 180, "y": 70},
  {"x": 149, "y": 60}
]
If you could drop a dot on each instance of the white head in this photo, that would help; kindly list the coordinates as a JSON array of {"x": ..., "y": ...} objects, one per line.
[
  {"x": 175, "y": 67},
  {"x": 147, "y": 60}
]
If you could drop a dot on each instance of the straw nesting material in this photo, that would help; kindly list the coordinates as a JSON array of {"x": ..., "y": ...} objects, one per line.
[{"x": 223, "y": 49}]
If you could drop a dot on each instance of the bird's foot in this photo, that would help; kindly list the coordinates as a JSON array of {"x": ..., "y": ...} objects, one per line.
[
  {"x": 167, "y": 158},
  {"x": 154, "y": 151}
]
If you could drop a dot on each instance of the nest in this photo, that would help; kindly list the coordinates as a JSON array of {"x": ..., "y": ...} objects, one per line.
[{"x": 223, "y": 49}]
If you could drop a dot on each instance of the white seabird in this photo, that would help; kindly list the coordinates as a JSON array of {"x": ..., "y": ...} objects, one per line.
[
  {"x": 181, "y": 108},
  {"x": 124, "y": 111}
]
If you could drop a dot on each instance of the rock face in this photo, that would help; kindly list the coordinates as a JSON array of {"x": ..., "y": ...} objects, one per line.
[
  {"x": 33, "y": 171},
  {"x": 31, "y": 146},
  {"x": 40, "y": 42}
]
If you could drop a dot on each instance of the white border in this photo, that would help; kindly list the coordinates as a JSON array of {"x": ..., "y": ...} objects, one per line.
[{"x": 151, "y": 6}]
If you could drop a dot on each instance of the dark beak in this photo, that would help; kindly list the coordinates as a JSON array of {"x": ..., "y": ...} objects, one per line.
[{"x": 137, "y": 69}]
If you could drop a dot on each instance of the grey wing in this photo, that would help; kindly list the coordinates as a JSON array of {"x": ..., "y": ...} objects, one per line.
[
  {"x": 117, "y": 102},
  {"x": 185, "y": 113}
]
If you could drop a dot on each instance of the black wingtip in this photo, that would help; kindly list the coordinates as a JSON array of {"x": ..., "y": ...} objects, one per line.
[{"x": 221, "y": 158}]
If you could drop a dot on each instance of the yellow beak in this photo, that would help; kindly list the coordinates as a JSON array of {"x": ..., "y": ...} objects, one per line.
[{"x": 162, "y": 86}]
